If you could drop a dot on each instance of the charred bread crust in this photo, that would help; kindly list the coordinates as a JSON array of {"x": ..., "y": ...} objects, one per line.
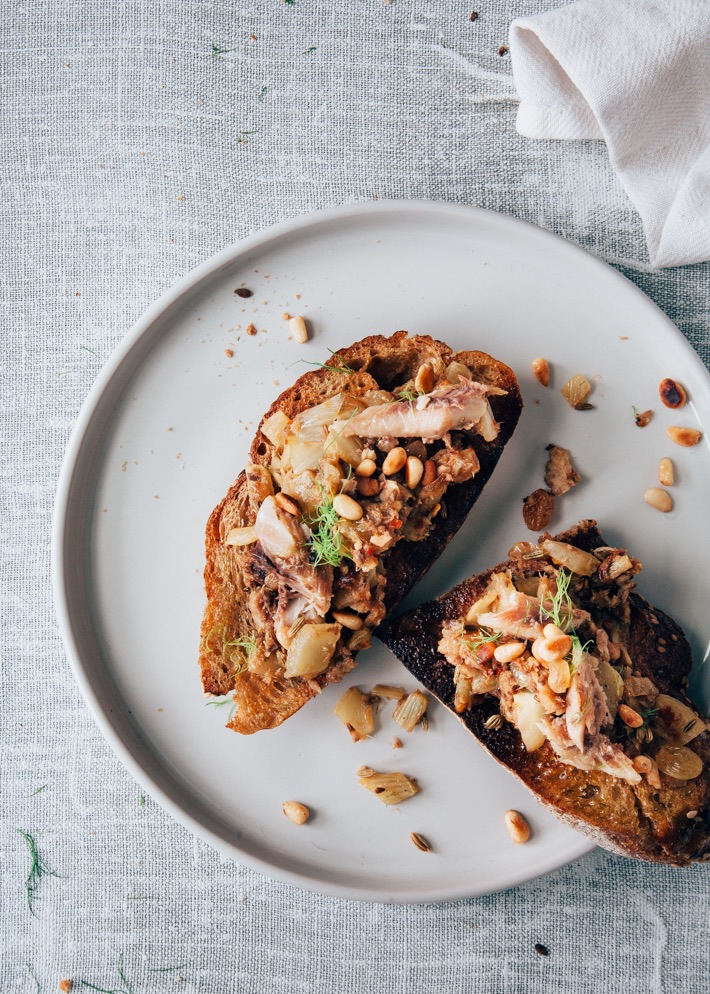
[
  {"x": 376, "y": 362},
  {"x": 631, "y": 819}
]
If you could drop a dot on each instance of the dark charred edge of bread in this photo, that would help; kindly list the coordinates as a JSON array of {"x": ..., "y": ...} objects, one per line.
[
  {"x": 390, "y": 361},
  {"x": 630, "y": 819}
]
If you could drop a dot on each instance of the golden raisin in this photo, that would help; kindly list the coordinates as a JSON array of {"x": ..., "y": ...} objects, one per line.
[{"x": 537, "y": 509}]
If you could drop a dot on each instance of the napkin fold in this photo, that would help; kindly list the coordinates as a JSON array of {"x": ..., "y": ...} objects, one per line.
[{"x": 637, "y": 74}]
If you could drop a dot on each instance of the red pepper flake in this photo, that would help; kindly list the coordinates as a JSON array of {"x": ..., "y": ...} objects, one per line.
[
  {"x": 229, "y": 353},
  {"x": 243, "y": 292},
  {"x": 397, "y": 523},
  {"x": 503, "y": 50},
  {"x": 251, "y": 330},
  {"x": 474, "y": 15},
  {"x": 642, "y": 418}
]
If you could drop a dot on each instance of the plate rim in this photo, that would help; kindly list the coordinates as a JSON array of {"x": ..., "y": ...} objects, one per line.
[{"x": 63, "y": 510}]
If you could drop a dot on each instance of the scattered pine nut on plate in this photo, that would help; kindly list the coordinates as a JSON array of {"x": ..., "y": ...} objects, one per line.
[
  {"x": 666, "y": 472},
  {"x": 296, "y": 812},
  {"x": 517, "y": 826},
  {"x": 660, "y": 499},
  {"x": 687, "y": 437},
  {"x": 541, "y": 369},
  {"x": 299, "y": 329},
  {"x": 671, "y": 393}
]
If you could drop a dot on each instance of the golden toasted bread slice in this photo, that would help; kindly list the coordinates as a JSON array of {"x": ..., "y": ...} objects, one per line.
[
  {"x": 577, "y": 685},
  {"x": 359, "y": 475}
]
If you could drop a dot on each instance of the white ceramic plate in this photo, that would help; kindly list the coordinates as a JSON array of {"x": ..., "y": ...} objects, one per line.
[{"x": 165, "y": 431}]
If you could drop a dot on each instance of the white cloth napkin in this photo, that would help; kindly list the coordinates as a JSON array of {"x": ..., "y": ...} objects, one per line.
[{"x": 637, "y": 74}]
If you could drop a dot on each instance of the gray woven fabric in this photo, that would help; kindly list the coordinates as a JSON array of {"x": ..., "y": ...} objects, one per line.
[{"x": 122, "y": 169}]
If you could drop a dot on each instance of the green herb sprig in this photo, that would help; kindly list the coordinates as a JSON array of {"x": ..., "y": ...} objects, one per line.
[
  {"x": 125, "y": 989},
  {"x": 326, "y": 543},
  {"x": 31, "y": 972},
  {"x": 38, "y": 869},
  {"x": 337, "y": 364},
  {"x": 245, "y": 644},
  {"x": 561, "y": 609},
  {"x": 475, "y": 644},
  {"x": 408, "y": 393},
  {"x": 216, "y": 50},
  {"x": 228, "y": 699},
  {"x": 561, "y": 612}
]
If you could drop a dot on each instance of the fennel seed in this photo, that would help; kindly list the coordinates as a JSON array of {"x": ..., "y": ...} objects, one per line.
[{"x": 420, "y": 842}]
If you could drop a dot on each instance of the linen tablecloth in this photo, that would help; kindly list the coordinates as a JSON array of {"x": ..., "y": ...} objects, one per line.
[{"x": 135, "y": 140}]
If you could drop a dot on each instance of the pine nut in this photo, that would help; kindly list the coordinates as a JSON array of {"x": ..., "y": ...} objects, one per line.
[
  {"x": 660, "y": 499},
  {"x": 345, "y": 507},
  {"x": 287, "y": 504},
  {"x": 683, "y": 436},
  {"x": 559, "y": 646},
  {"x": 630, "y": 717},
  {"x": 368, "y": 487},
  {"x": 671, "y": 393},
  {"x": 394, "y": 460},
  {"x": 518, "y": 828},
  {"x": 559, "y": 676},
  {"x": 296, "y": 812},
  {"x": 643, "y": 764},
  {"x": 429, "y": 472},
  {"x": 424, "y": 381},
  {"x": 546, "y": 651},
  {"x": 348, "y": 620},
  {"x": 299, "y": 330},
  {"x": 415, "y": 471},
  {"x": 535, "y": 648},
  {"x": 551, "y": 631},
  {"x": 653, "y": 777},
  {"x": 666, "y": 472},
  {"x": 508, "y": 651},
  {"x": 241, "y": 536},
  {"x": 541, "y": 370},
  {"x": 366, "y": 468}
]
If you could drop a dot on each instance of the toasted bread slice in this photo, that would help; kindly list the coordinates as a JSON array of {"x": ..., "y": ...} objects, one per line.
[
  {"x": 648, "y": 815},
  {"x": 245, "y": 590}
]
